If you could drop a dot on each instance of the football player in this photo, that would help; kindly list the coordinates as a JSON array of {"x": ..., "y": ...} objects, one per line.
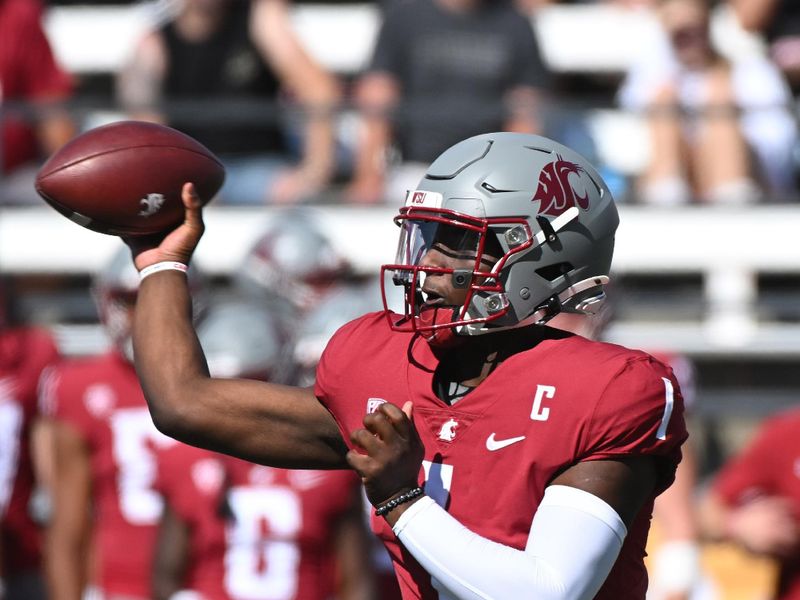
[
  {"x": 104, "y": 502},
  {"x": 504, "y": 458},
  {"x": 233, "y": 530},
  {"x": 25, "y": 353}
]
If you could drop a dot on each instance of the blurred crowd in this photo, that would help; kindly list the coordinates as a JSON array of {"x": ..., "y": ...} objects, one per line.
[
  {"x": 718, "y": 121},
  {"x": 96, "y": 503}
]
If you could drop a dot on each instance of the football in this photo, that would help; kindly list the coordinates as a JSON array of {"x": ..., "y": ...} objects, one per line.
[{"x": 126, "y": 178}]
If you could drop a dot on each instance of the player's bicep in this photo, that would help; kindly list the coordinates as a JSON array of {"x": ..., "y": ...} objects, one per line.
[
  {"x": 267, "y": 423},
  {"x": 624, "y": 483}
]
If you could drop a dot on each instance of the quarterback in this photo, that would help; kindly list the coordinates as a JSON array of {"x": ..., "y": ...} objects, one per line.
[{"x": 504, "y": 458}]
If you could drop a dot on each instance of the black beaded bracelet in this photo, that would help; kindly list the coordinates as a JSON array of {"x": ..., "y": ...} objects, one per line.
[{"x": 401, "y": 499}]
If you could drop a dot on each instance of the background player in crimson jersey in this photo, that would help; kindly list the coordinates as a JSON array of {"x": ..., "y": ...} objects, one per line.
[
  {"x": 540, "y": 452},
  {"x": 232, "y": 530},
  {"x": 105, "y": 467},
  {"x": 754, "y": 500},
  {"x": 25, "y": 352}
]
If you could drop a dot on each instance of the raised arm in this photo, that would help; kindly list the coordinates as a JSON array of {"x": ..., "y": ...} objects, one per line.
[{"x": 266, "y": 423}]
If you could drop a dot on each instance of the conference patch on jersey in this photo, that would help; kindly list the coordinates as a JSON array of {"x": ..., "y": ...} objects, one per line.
[
  {"x": 556, "y": 191},
  {"x": 423, "y": 198}
]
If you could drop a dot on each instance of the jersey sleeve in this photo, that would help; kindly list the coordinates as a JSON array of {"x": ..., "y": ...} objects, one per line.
[
  {"x": 336, "y": 360},
  {"x": 640, "y": 412},
  {"x": 748, "y": 474},
  {"x": 50, "y": 81},
  {"x": 62, "y": 398}
]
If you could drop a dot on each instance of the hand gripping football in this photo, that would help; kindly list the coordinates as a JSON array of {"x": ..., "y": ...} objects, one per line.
[{"x": 126, "y": 178}]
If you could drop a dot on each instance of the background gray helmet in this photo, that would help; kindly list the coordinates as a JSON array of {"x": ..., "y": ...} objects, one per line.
[
  {"x": 292, "y": 260},
  {"x": 114, "y": 289},
  {"x": 240, "y": 338},
  {"x": 312, "y": 333},
  {"x": 537, "y": 204}
]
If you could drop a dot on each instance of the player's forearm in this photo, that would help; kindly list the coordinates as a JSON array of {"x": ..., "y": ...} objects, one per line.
[
  {"x": 64, "y": 568},
  {"x": 169, "y": 360},
  {"x": 318, "y": 163},
  {"x": 573, "y": 543},
  {"x": 281, "y": 426}
]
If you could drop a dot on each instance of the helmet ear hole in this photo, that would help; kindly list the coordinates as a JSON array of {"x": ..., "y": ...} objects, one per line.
[{"x": 553, "y": 272}]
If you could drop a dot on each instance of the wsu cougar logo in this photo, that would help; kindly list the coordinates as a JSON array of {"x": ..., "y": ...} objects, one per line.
[
  {"x": 151, "y": 205},
  {"x": 448, "y": 430},
  {"x": 555, "y": 193}
]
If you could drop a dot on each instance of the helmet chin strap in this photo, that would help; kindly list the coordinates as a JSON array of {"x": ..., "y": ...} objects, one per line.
[{"x": 442, "y": 337}]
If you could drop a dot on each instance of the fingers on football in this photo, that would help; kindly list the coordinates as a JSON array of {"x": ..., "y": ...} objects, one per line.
[{"x": 193, "y": 205}]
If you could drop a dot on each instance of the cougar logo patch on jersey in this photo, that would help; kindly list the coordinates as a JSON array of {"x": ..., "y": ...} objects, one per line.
[
  {"x": 99, "y": 400},
  {"x": 208, "y": 475},
  {"x": 448, "y": 430},
  {"x": 555, "y": 192}
]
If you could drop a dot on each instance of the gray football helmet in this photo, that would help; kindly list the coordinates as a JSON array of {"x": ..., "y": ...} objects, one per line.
[
  {"x": 240, "y": 338},
  {"x": 539, "y": 209},
  {"x": 292, "y": 259},
  {"x": 114, "y": 289}
]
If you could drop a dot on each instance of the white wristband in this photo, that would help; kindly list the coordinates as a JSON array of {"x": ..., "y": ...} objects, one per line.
[{"x": 167, "y": 265}]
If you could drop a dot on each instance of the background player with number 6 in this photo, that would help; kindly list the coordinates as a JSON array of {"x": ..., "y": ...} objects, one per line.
[{"x": 505, "y": 458}]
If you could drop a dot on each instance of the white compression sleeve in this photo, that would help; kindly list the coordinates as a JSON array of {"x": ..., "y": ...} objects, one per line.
[{"x": 574, "y": 540}]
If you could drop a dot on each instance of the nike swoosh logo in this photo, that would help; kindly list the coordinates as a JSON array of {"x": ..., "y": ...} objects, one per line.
[{"x": 493, "y": 444}]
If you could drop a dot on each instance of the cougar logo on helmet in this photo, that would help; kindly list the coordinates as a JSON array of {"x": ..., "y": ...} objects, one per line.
[
  {"x": 520, "y": 248},
  {"x": 555, "y": 193}
]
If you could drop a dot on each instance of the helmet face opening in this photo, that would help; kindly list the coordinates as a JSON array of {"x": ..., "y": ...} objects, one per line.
[
  {"x": 465, "y": 253},
  {"x": 506, "y": 230}
]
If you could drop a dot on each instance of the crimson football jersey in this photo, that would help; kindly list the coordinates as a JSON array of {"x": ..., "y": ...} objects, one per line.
[
  {"x": 101, "y": 399},
  {"x": 24, "y": 354},
  {"x": 768, "y": 466},
  {"x": 257, "y": 533},
  {"x": 489, "y": 457}
]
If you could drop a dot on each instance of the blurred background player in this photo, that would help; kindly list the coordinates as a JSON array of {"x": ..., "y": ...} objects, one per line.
[
  {"x": 754, "y": 500},
  {"x": 233, "y": 530},
  {"x": 243, "y": 61},
  {"x": 291, "y": 267},
  {"x": 342, "y": 304},
  {"x": 442, "y": 71},
  {"x": 25, "y": 352},
  {"x": 104, "y": 503},
  {"x": 33, "y": 88}
]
